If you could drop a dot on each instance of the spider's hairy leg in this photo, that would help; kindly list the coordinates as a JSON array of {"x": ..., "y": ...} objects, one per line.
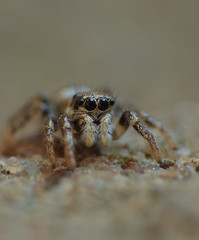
[
  {"x": 49, "y": 140},
  {"x": 67, "y": 140},
  {"x": 156, "y": 125},
  {"x": 130, "y": 118},
  {"x": 21, "y": 117},
  {"x": 88, "y": 130},
  {"x": 104, "y": 129}
]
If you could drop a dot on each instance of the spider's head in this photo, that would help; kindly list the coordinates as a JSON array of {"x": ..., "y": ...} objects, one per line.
[{"x": 92, "y": 102}]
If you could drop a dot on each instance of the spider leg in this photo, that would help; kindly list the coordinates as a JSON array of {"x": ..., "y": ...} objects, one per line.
[
  {"x": 49, "y": 140},
  {"x": 88, "y": 130},
  {"x": 130, "y": 118},
  {"x": 104, "y": 129},
  {"x": 67, "y": 139},
  {"x": 156, "y": 125},
  {"x": 23, "y": 116}
]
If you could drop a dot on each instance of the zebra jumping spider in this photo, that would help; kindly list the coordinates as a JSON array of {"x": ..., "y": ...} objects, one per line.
[{"x": 83, "y": 116}]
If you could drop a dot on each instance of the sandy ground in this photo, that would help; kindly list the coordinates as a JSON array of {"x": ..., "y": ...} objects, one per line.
[{"x": 121, "y": 193}]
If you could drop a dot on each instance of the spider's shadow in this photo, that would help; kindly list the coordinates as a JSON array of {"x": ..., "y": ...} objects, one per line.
[
  {"x": 34, "y": 145},
  {"x": 31, "y": 146}
]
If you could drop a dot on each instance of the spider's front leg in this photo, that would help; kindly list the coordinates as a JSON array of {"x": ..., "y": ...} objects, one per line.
[
  {"x": 156, "y": 125},
  {"x": 67, "y": 140},
  {"x": 130, "y": 118},
  {"x": 49, "y": 140}
]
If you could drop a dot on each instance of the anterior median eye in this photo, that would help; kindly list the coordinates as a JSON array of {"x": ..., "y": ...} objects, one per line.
[
  {"x": 103, "y": 104},
  {"x": 90, "y": 104}
]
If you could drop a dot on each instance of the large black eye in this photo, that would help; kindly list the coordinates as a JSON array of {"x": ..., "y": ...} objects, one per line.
[
  {"x": 90, "y": 104},
  {"x": 103, "y": 104}
]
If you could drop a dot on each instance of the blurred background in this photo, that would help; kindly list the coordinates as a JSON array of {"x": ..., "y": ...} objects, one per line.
[{"x": 146, "y": 51}]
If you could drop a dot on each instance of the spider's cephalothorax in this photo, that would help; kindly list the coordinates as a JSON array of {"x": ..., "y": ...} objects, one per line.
[{"x": 83, "y": 116}]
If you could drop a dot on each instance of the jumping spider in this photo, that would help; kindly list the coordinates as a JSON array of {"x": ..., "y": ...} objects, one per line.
[{"x": 83, "y": 117}]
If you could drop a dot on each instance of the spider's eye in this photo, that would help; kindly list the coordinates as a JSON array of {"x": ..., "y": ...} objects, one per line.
[
  {"x": 90, "y": 104},
  {"x": 103, "y": 104},
  {"x": 112, "y": 102},
  {"x": 80, "y": 101}
]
